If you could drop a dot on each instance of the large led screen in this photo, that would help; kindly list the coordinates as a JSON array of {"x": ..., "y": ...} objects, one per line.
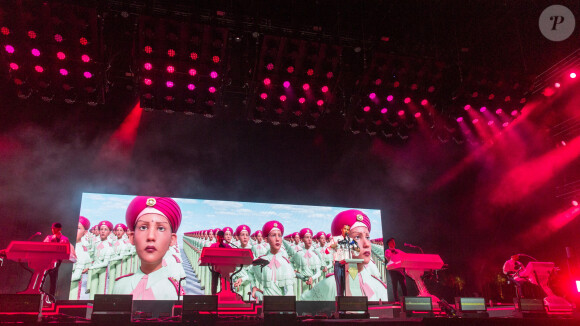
[{"x": 153, "y": 264}]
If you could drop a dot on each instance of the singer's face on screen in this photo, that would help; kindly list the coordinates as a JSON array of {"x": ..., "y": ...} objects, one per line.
[
  {"x": 244, "y": 238},
  {"x": 81, "y": 231},
  {"x": 322, "y": 240},
  {"x": 228, "y": 236},
  {"x": 361, "y": 235},
  {"x": 119, "y": 232},
  {"x": 307, "y": 240},
  {"x": 259, "y": 237},
  {"x": 211, "y": 236},
  {"x": 104, "y": 232},
  {"x": 274, "y": 240},
  {"x": 297, "y": 239},
  {"x": 152, "y": 238},
  {"x": 345, "y": 229}
]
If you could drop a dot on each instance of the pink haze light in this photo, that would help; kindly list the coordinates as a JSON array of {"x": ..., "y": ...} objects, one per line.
[
  {"x": 286, "y": 84},
  {"x": 9, "y": 48}
]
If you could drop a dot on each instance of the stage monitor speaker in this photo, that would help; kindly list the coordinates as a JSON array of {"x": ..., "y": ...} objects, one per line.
[
  {"x": 352, "y": 307},
  {"x": 112, "y": 308},
  {"x": 533, "y": 306},
  {"x": 20, "y": 307},
  {"x": 471, "y": 307},
  {"x": 279, "y": 309},
  {"x": 417, "y": 306},
  {"x": 200, "y": 308}
]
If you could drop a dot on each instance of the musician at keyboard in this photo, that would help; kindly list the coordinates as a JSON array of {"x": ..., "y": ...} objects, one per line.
[
  {"x": 393, "y": 255},
  {"x": 56, "y": 237}
]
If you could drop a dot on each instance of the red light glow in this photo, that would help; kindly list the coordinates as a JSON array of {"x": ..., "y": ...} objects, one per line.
[
  {"x": 401, "y": 113},
  {"x": 460, "y": 119},
  {"x": 38, "y": 68},
  {"x": 286, "y": 84},
  {"x": 474, "y": 121},
  {"x": 215, "y": 59},
  {"x": 61, "y": 56},
  {"x": 407, "y": 100},
  {"x": 264, "y": 96},
  {"x": 170, "y": 69},
  {"x": 211, "y": 89},
  {"x": 505, "y": 124},
  {"x": 58, "y": 38},
  {"x": 270, "y": 66},
  {"x": 390, "y": 98},
  {"x": 85, "y": 58},
  {"x": 13, "y": 66},
  {"x": 213, "y": 74},
  {"x": 169, "y": 84},
  {"x": 88, "y": 75},
  {"x": 267, "y": 81},
  {"x": 491, "y": 96},
  {"x": 290, "y": 69},
  {"x": 578, "y": 286},
  {"x": 467, "y": 107},
  {"x": 418, "y": 115},
  {"x": 9, "y": 49},
  {"x": 320, "y": 102},
  {"x": 384, "y": 110},
  {"x": 498, "y": 111},
  {"x": 193, "y": 56},
  {"x": 35, "y": 52},
  {"x": 514, "y": 113},
  {"x": 490, "y": 122},
  {"x": 372, "y": 96},
  {"x": 148, "y": 49},
  {"x": 306, "y": 86},
  {"x": 329, "y": 75},
  {"x": 483, "y": 109},
  {"x": 63, "y": 72},
  {"x": 192, "y": 72},
  {"x": 5, "y": 30},
  {"x": 396, "y": 84},
  {"x": 378, "y": 81},
  {"x": 310, "y": 72},
  {"x": 171, "y": 53},
  {"x": 324, "y": 89},
  {"x": 147, "y": 81},
  {"x": 424, "y": 102},
  {"x": 32, "y": 34},
  {"x": 302, "y": 100},
  {"x": 367, "y": 108},
  {"x": 557, "y": 85},
  {"x": 574, "y": 203},
  {"x": 83, "y": 41},
  {"x": 148, "y": 66},
  {"x": 191, "y": 87},
  {"x": 573, "y": 75},
  {"x": 282, "y": 98}
]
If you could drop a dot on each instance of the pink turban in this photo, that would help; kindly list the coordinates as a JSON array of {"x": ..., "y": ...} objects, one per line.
[
  {"x": 243, "y": 227},
  {"x": 304, "y": 232},
  {"x": 122, "y": 226},
  {"x": 317, "y": 236},
  {"x": 328, "y": 235},
  {"x": 106, "y": 223},
  {"x": 227, "y": 228},
  {"x": 269, "y": 226},
  {"x": 163, "y": 206},
  {"x": 85, "y": 222},
  {"x": 352, "y": 218}
]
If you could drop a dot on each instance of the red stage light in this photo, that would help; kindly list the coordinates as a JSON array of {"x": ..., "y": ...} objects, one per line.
[
  {"x": 490, "y": 122},
  {"x": 148, "y": 49},
  {"x": 171, "y": 53},
  {"x": 32, "y": 34},
  {"x": 431, "y": 89},
  {"x": 329, "y": 75},
  {"x": 5, "y": 30},
  {"x": 270, "y": 66},
  {"x": 390, "y": 98},
  {"x": 396, "y": 84},
  {"x": 498, "y": 111},
  {"x": 372, "y": 96},
  {"x": 211, "y": 89},
  {"x": 523, "y": 100},
  {"x": 58, "y": 38},
  {"x": 367, "y": 108},
  {"x": 286, "y": 84},
  {"x": 414, "y": 87},
  {"x": 557, "y": 85},
  {"x": 324, "y": 89},
  {"x": 418, "y": 115},
  {"x": 88, "y": 75},
  {"x": 191, "y": 87},
  {"x": 60, "y": 55},
  {"x": 282, "y": 98},
  {"x": 63, "y": 72},
  {"x": 193, "y": 56},
  {"x": 83, "y": 41},
  {"x": 407, "y": 100},
  {"x": 505, "y": 124},
  {"x": 474, "y": 121},
  {"x": 85, "y": 58},
  {"x": 267, "y": 81},
  {"x": 474, "y": 94},
  {"x": 213, "y": 74},
  {"x": 491, "y": 96},
  {"x": 575, "y": 203},
  {"x": 573, "y": 75},
  {"x": 13, "y": 66},
  {"x": 38, "y": 68},
  {"x": 18, "y": 81},
  {"x": 507, "y": 99},
  {"x": 290, "y": 69},
  {"x": 467, "y": 107},
  {"x": 9, "y": 48},
  {"x": 192, "y": 72},
  {"x": 147, "y": 81},
  {"x": 35, "y": 52},
  {"x": 460, "y": 119},
  {"x": 170, "y": 69},
  {"x": 148, "y": 66},
  {"x": 578, "y": 286},
  {"x": 305, "y": 86},
  {"x": 310, "y": 72},
  {"x": 401, "y": 113},
  {"x": 424, "y": 102},
  {"x": 378, "y": 81},
  {"x": 215, "y": 59},
  {"x": 264, "y": 96},
  {"x": 302, "y": 100},
  {"x": 169, "y": 84},
  {"x": 514, "y": 113},
  {"x": 483, "y": 109},
  {"x": 384, "y": 110},
  {"x": 320, "y": 102}
]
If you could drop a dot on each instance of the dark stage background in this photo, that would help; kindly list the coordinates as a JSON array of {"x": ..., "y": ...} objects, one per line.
[{"x": 475, "y": 206}]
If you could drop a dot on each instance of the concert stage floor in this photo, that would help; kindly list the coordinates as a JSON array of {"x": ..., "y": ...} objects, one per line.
[{"x": 79, "y": 312}]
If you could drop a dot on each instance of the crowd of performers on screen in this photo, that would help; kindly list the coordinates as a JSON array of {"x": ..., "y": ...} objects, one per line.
[{"x": 142, "y": 257}]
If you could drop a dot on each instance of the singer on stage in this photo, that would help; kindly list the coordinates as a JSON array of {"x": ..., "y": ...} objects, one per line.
[
  {"x": 393, "y": 255},
  {"x": 56, "y": 237}
]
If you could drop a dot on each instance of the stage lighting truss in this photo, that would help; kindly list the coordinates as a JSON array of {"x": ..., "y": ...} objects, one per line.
[
  {"x": 294, "y": 82},
  {"x": 52, "y": 50},
  {"x": 394, "y": 95},
  {"x": 180, "y": 66}
]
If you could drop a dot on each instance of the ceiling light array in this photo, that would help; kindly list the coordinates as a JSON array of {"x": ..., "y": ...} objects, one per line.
[
  {"x": 53, "y": 55},
  {"x": 180, "y": 65}
]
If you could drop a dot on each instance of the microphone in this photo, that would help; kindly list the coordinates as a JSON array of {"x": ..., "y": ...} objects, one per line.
[
  {"x": 34, "y": 235},
  {"x": 410, "y": 245}
]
